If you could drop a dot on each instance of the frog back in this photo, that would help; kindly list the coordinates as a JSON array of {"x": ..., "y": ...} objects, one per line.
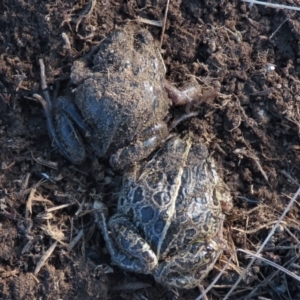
[{"x": 171, "y": 199}]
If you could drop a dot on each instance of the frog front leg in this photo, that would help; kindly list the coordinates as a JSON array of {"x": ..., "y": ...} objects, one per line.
[
  {"x": 70, "y": 126},
  {"x": 63, "y": 127},
  {"x": 127, "y": 248},
  {"x": 190, "y": 265}
]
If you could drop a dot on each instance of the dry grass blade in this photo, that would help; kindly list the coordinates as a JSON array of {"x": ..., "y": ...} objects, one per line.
[
  {"x": 289, "y": 177},
  {"x": 75, "y": 240},
  {"x": 274, "y": 5},
  {"x": 9, "y": 273},
  {"x": 164, "y": 24},
  {"x": 286, "y": 271},
  {"x": 267, "y": 225},
  {"x": 264, "y": 243},
  {"x": 268, "y": 281},
  {"x": 45, "y": 216},
  {"x": 28, "y": 210},
  {"x": 204, "y": 293},
  {"x": 39, "y": 160},
  {"x": 150, "y": 22},
  {"x": 4, "y": 166},
  {"x": 35, "y": 279},
  {"x": 26, "y": 247},
  {"x": 25, "y": 181},
  {"x": 44, "y": 84},
  {"x": 44, "y": 258},
  {"x": 59, "y": 207}
]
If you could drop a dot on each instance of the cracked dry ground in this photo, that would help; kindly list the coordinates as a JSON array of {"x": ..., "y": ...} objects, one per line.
[{"x": 252, "y": 132}]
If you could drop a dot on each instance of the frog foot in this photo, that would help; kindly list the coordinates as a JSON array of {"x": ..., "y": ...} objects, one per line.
[
  {"x": 128, "y": 249},
  {"x": 191, "y": 265}
]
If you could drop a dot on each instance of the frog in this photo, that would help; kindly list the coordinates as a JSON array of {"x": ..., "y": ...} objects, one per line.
[
  {"x": 119, "y": 101},
  {"x": 169, "y": 216}
]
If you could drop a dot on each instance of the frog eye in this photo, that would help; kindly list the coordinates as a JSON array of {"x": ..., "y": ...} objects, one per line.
[{"x": 208, "y": 255}]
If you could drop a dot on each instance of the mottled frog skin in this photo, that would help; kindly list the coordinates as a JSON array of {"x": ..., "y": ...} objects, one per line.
[
  {"x": 118, "y": 103},
  {"x": 170, "y": 215}
]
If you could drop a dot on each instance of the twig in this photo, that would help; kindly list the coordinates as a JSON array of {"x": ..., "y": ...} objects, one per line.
[
  {"x": 150, "y": 22},
  {"x": 28, "y": 210},
  {"x": 274, "y": 5},
  {"x": 67, "y": 44},
  {"x": 164, "y": 24},
  {"x": 25, "y": 182},
  {"x": 277, "y": 248},
  {"x": 44, "y": 85}
]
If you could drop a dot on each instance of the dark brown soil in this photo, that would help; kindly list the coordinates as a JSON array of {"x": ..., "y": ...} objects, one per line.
[{"x": 252, "y": 129}]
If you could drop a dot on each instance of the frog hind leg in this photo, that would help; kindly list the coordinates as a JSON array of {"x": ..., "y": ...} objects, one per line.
[
  {"x": 127, "y": 248},
  {"x": 190, "y": 265}
]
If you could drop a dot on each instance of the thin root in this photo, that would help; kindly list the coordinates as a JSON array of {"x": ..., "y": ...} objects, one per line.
[{"x": 86, "y": 13}]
